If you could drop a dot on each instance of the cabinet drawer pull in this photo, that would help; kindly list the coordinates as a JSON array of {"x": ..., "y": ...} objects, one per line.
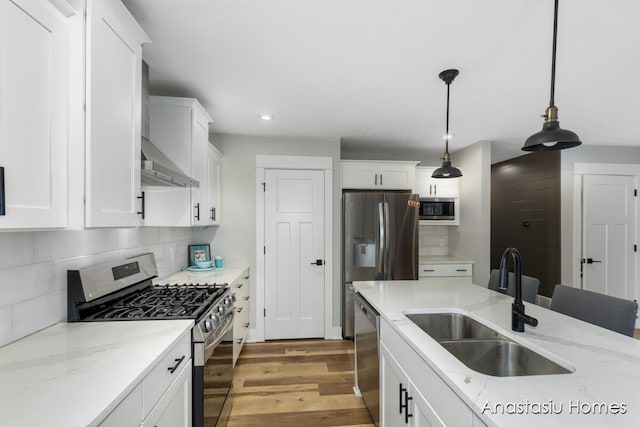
[
  {"x": 407, "y": 415},
  {"x": 246, "y": 325},
  {"x": 246, "y": 298},
  {"x": 246, "y": 277},
  {"x": 239, "y": 341},
  {"x": 401, "y": 392},
  {"x": 173, "y": 368},
  {"x": 429, "y": 271},
  {"x": 240, "y": 285},
  {"x": 461, "y": 269},
  {"x": 239, "y": 310}
]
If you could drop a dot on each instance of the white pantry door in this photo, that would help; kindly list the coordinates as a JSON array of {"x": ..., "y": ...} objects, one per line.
[
  {"x": 609, "y": 222},
  {"x": 294, "y": 241}
]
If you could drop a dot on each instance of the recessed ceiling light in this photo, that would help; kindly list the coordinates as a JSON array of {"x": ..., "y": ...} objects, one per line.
[{"x": 267, "y": 117}]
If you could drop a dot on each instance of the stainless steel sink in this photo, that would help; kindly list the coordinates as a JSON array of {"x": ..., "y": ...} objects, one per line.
[
  {"x": 452, "y": 326},
  {"x": 483, "y": 349},
  {"x": 502, "y": 358}
]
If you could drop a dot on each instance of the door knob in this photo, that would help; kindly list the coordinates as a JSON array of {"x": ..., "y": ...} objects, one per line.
[
  {"x": 589, "y": 260},
  {"x": 317, "y": 262}
]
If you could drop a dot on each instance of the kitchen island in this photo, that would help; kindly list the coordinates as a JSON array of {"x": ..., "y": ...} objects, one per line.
[{"x": 601, "y": 389}]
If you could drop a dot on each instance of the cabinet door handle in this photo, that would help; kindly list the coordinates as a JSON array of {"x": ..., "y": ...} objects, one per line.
[
  {"x": 2, "y": 201},
  {"x": 376, "y": 180},
  {"x": 212, "y": 213},
  {"x": 430, "y": 188},
  {"x": 197, "y": 215},
  {"x": 435, "y": 189},
  {"x": 407, "y": 398},
  {"x": 173, "y": 368},
  {"x": 400, "y": 395},
  {"x": 141, "y": 211},
  {"x": 380, "y": 179}
]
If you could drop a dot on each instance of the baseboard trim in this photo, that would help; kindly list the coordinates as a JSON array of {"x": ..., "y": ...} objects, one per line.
[{"x": 334, "y": 333}]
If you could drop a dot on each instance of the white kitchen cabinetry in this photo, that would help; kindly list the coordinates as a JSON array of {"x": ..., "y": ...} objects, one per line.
[
  {"x": 435, "y": 187},
  {"x": 113, "y": 116},
  {"x": 432, "y": 402},
  {"x": 34, "y": 108},
  {"x": 163, "y": 397},
  {"x": 180, "y": 129},
  {"x": 403, "y": 402},
  {"x": 241, "y": 320},
  {"x": 213, "y": 183},
  {"x": 388, "y": 175},
  {"x": 447, "y": 269}
]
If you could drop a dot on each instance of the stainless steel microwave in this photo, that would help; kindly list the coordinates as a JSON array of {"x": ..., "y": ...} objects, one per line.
[{"x": 437, "y": 208}]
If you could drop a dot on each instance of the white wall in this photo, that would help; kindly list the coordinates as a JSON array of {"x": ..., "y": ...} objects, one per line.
[
  {"x": 33, "y": 268},
  {"x": 235, "y": 239},
  {"x": 568, "y": 158},
  {"x": 472, "y": 238}
]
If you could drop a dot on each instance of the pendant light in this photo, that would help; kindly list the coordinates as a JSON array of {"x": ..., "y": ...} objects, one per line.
[
  {"x": 552, "y": 137},
  {"x": 446, "y": 170}
]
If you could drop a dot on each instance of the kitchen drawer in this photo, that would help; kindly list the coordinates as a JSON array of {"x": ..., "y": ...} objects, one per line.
[
  {"x": 161, "y": 376},
  {"x": 445, "y": 270},
  {"x": 174, "y": 407}
]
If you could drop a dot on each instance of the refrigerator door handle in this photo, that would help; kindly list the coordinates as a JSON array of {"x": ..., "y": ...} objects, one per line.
[
  {"x": 381, "y": 246},
  {"x": 387, "y": 262}
]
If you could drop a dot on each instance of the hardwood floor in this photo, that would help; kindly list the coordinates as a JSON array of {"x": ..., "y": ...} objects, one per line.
[{"x": 297, "y": 383}]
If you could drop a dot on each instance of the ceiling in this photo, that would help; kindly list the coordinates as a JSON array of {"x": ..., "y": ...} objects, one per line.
[{"x": 366, "y": 71}]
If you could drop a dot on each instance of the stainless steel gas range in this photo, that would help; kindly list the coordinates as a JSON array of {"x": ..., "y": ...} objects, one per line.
[{"x": 123, "y": 290}]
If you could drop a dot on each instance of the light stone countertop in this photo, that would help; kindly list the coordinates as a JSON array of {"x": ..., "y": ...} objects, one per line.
[
  {"x": 607, "y": 364},
  {"x": 426, "y": 259},
  {"x": 226, "y": 274},
  {"x": 75, "y": 374}
]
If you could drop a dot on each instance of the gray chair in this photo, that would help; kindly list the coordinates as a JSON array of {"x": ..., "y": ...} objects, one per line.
[
  {"x": 609, "y": 312},
  {"x": 529, "y": 285}
]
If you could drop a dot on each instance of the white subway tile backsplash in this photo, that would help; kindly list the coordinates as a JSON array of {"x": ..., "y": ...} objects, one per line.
[
  {"x": 23, "y": 283},
  {"x": 5, "y": 325},
  {"x": 39, "y": 313},
  {"x": 33, "y": 268},
  {"x": 433, "y": 240},
  {"x": 16, "y": 249},
  {"x": 50, "y": 245}
]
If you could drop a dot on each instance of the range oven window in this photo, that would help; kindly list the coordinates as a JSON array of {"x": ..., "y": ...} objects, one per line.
[{"x": 437, "y": 209}]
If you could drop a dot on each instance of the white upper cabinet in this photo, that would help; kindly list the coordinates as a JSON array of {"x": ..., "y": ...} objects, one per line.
[
  {"x": 113, "y": 115},
  {"x": 382, "y": 175},
  {"x": 180, "y": 129},
  {"x": 213, "y": 182},
  {"x": 435, "y": 187},
  {"x": 34, "y": 96}
]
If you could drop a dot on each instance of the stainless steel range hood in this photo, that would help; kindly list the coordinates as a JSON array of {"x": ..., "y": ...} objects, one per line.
[{"x": 157, "y": 169}]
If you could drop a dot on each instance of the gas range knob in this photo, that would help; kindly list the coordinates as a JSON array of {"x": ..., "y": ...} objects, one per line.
[
  {"x": 233, "y": 298},
  {"x": 208, "y": 325},
  {"x": 222, "y": 309},
  {"x": 216, "y": 319}
]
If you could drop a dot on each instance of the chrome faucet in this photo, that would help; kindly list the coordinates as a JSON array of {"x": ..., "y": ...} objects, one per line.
[{"x": 518, "y": 318}]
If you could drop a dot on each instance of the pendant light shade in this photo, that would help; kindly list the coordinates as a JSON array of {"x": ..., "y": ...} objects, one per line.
[
  {"x": 552, "y": 136},
  {"x": 446, "y": 170}
]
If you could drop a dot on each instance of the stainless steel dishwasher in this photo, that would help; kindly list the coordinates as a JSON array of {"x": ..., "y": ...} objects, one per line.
[{"x": 367, "y": 336}]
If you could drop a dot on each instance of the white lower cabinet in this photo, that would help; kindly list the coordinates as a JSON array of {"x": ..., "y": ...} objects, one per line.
[
  {"x": 435, "y": 269},
  {"x": 163, "y": 397},
  {"x": 403, "y": 404},
  {"x": 241, "y": 319},
  {"x": 411, "y": 393}
]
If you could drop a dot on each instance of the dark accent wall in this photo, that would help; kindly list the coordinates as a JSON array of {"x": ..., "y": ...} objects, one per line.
[{"x": 525, "y": 214}]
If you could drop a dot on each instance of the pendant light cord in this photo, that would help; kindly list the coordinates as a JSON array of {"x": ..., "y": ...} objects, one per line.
[
  {"x": 446, "y": 138},
  {"x": 553, "y": 54}
]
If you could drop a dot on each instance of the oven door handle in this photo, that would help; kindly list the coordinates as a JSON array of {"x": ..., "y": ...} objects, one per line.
[{"x": 208, "y": 349}]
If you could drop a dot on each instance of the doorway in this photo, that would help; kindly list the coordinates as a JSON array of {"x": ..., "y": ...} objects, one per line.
[
  {"x": 294, "y": 268},
  {"x": 608, "y": 261}
]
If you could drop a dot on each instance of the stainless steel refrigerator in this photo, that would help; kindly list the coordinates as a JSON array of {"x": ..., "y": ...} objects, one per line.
[{"x": 379, "y": 242}]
